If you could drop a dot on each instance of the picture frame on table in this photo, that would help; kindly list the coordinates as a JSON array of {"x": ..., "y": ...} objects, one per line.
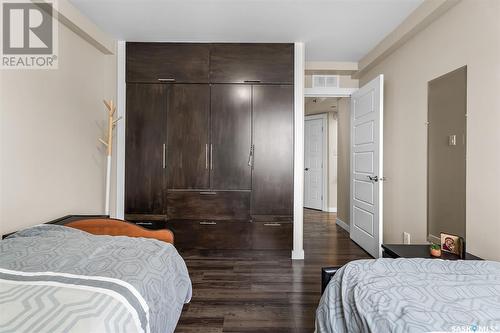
[{"x": 452, "y": 244}]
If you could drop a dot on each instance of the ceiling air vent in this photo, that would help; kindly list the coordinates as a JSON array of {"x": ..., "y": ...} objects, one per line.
[{"x": 325, "y": 81}]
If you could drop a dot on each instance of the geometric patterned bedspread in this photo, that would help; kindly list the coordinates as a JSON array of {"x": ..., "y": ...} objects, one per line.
[
  {"x": 96, "y": 283},
  {"x": 412, "y": 295}
]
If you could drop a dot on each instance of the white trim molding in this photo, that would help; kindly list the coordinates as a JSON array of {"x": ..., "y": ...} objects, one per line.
[
  {"x": 329, "y": 92},
  {"x": 331, "y": 209},
  {"x": 298, "y": 153},
  {"x": 343, "y": 225},
  {"x": 120, "y": 130}
]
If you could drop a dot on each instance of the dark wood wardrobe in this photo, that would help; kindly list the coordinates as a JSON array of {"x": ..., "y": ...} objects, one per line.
[{"x": 209, "y": 143}]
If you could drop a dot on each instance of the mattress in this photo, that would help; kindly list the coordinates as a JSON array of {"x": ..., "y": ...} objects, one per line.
[
  {"x": 59, "y": 279},
  {"x": 412, "y": 295}
]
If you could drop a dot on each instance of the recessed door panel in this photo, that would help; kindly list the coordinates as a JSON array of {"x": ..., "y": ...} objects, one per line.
[
  {"x": 231, "y": 137},
  {"x": 363, "y": 104},
  {"x": 363, "y": 133},
  {"x": 363, "y": 162},
  {"x": 188, "y": 148},
  {"x": 363, "y": 220},
  {"x": 272, "y": 178},
  {"x": 363, "y": 191},
  {"x": 144, "y": 157}
]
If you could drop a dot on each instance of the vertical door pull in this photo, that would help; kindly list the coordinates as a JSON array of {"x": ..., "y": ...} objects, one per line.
[
  {"x": 206, "y": 156},
  {"x": 164, "y": 156},
  {"x": 211, "y": 158},
  {"x": 250, "y": 156}
]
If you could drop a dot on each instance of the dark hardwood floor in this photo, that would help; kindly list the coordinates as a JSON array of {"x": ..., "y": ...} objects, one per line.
[{"x": 264, "y": 291}]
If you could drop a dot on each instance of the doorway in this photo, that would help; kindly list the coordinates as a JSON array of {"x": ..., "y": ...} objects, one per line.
[{"x": 320, "y": 154}]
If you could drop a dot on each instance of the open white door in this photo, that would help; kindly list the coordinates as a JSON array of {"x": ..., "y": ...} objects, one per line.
[
  {"x": 367, "y": 166},
  {"x": 313, "y": 161}
]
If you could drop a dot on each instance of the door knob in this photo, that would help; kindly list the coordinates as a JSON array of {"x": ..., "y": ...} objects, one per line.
[
  {"x": 374, "y": 178},
  {"x": 307, "y": 169}
]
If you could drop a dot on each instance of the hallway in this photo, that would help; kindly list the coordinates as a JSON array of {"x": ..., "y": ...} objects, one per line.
[{"x": 264, "y": 291}]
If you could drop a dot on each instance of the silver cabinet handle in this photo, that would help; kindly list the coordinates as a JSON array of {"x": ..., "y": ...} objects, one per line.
[
  {"x": 144, "y": 223},
  {"x": 374, "y": 178},
  {"x": 208, "y": 193},
  {"x": 272, "y": 224},
  {"x": 250, "y": 156},
  {"x": 251, "y": 81},
  {"x": 208, "y": 223},
  {"x": 164, "y": 156},
  {"x": 167, "y": 80},
  {"x": 206, "y": 156},
  {"x": 211, "y": 158}
]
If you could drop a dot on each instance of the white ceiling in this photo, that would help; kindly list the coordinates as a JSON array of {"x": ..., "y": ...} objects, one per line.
[{"x": 333, "y": 30}]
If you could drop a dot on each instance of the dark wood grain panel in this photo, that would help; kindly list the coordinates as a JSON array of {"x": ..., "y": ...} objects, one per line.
[
  {"x": 272, "y": 235},
  {"x": 188, "y": 136},
  {"x": 220, "y": 205},
  {"x": 237, "y": 63},
  {"x": 205, "y": 234},
  {"x": 272, "y": 178},
  {"x": 183, "y": 62},
  {"x": 231, "y": 124},
  {"x": 145, "y": 136}
]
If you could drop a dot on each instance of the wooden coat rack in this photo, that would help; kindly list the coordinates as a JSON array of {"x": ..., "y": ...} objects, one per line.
[{"x": 108, "y": 143}]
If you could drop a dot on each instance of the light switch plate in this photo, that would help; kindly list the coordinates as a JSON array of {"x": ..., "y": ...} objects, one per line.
[{"x": 406, "y": 238}]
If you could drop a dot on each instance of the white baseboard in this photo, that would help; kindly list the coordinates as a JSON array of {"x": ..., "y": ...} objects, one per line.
[
  {"x": 343, "y": 225},
  {"x": 297, "y": 255},
  {"x": 331, "y": 209}
]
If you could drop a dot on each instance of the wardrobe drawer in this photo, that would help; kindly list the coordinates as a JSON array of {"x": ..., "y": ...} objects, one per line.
[
  {"x": 167, "y": 62},
  {"x": 272, "y": 235},
  {"x": 207, "y": 234},
  {"x": 148, "y": 221},
  {"x": 208, "y": 205},
  {"x": 251, "y": 63}
]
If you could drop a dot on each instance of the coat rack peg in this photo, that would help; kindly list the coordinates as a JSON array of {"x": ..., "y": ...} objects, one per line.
[
  {"x": 103, "y": 142},
  {"x": 107, "y": 104},
  {"x": 116, "y": 120}
]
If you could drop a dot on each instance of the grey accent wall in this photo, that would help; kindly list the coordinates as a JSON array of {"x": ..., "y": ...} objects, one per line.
[{"x": 446, "y": 160}]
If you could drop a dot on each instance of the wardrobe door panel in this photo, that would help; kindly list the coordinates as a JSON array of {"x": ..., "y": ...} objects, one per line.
[
  {"x": 144, "y": 159},
  {"x": 238, "y": 63},
  {"x": 188, "y": 149},
  {"x": 179, "y": 62},
  {"x": 231, "y": 124},
  {"x": 272, "y": 178}
]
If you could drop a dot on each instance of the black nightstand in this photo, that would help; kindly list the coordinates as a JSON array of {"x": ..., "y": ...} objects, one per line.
[{"x": 418, "y": 251}]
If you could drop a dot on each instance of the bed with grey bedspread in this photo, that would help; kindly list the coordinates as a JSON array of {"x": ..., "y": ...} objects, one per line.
[
  {"x": 59, "y": 279},
  {"x": 412, "y": 295}
]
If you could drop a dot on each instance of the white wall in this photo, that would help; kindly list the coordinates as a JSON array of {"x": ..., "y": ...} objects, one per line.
[
  {"x": 343, "y": 161},
  {"x": 468, "y": 34},
  {"x": 51, "y": 161},
  {"x": 332, "y": 162}
]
